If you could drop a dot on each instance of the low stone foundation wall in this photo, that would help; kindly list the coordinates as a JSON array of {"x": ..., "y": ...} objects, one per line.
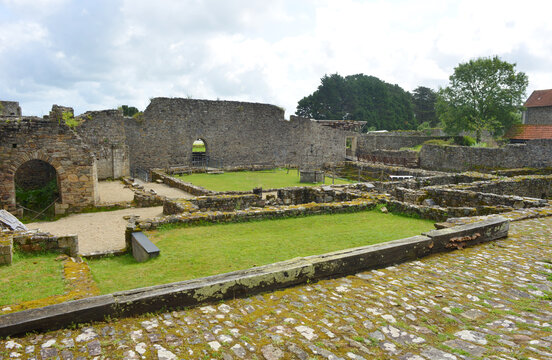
[
  {"x": 179, "y": 184},
  {"x": 536, "y": 186},
  {"x": 455, "y": 197},
  {"x": 31, "y": 241},
  {"x": 406, "y": 158},
  {"x": 439, "y": 213},
  {"x": 373, "y": 172},
  {"x": 227, "y": 202},
  {"x": 324, "y": 194},
  {"x": 37, "y": 241},
  {"x": 146, "y": 199}
]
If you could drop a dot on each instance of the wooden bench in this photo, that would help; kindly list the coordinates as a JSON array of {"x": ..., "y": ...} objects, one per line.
[{"x": 142, "y": 248}]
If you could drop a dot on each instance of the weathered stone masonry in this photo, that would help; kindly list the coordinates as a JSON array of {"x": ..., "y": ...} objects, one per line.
[
  {"x": 235, "y": 133},
  {"x": 32, "y": 138},
  {"x": 104, "y": 132}
]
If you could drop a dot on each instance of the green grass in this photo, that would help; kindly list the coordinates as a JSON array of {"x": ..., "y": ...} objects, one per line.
[
  {"x": 198, "y": 147},
  {"x": 29, "y": 277},
  {"x": 247, "y": 180},
  {"x": 192, "y": 252}
]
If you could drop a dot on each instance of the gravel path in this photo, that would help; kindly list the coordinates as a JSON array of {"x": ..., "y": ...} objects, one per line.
[
  {"x": 105, "y": 231},
  {"x": 113, "y": 192},
  {"x": 491, "y": 301},
  {"x": 165, "y": 190},
  {"x": 101, "y": 231}
]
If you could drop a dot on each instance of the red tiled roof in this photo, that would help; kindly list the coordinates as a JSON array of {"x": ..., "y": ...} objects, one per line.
[
  {"x": 530, "y": 132},
  {"x": 539, "y": 98}
]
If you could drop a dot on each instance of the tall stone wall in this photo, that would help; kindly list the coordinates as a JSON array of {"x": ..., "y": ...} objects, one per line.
[
  {"x": 32, "y": 138},
  {"x": 538, "y": 115},
  {"x": 235, "y": 133},
  {"x": 536, "y": 153},
  {"x": 104, "y": 132}
]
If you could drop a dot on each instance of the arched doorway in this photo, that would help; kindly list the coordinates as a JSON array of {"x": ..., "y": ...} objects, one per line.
[
  {"x": 199, "y": 153},
  {"x": 36, "y": 188}
]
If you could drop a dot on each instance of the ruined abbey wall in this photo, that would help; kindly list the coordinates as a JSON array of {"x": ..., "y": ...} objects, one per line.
[
  {"x": 535, "y": 154},
  {"x": 10, "y": 108},
  {"x": 104, "y": 132},
  {"x": 235, "y": 133},
  {"x": 33, "y": 138}
]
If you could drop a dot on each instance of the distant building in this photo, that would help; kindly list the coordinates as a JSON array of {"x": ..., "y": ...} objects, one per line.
[
  {"x": 536, "y": 120},
  {"x": 538, "y": 108}
]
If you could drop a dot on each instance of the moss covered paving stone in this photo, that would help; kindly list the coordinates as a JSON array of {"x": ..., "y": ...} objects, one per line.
[{"x": 493, "y": 301}]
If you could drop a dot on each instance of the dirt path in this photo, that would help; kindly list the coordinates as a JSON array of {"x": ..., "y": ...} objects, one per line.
[
  {"x": 105, "y": 231},
  {"x": 115, "y": 191},
  {"x": 102, "y": 231}
]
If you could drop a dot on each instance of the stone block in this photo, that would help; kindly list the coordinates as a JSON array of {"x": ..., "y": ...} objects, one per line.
[
  {"x": 6, "y": 249},
  {"x": 458, "y": 237},
  {"x": 142, "y": 248}
]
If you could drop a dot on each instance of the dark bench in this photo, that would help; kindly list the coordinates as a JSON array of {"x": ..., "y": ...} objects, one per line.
[{"x": 142, "y": 248}]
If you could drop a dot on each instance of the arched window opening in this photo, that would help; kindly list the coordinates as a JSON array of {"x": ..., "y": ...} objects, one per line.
[{"x": 37, "y": 189}]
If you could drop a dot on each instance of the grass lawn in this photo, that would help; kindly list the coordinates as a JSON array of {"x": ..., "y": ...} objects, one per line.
[
  {"x": 30, "y": 277},
  {"x": 192, "y": 252},
  {"x": 247, "y": 180},
  {"x": 198, "y": 146}
]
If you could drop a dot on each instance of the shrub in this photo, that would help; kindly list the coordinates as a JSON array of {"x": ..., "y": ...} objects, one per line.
[{"x": 464, "y": 141}]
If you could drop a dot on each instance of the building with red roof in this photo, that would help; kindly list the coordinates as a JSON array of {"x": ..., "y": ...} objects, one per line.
[
  {"x": 538, "y": 108},
  {"x": 537, "y": 119}
]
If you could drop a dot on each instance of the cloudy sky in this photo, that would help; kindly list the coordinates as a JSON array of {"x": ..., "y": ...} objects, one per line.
[{"x": 100, "y": 54}]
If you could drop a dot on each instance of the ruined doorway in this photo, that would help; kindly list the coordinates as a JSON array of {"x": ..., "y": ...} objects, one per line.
[
  {"x": 36, "y": 189},
  {"x": 199, "y": 153},
  {"x": 350, "y": 146}
]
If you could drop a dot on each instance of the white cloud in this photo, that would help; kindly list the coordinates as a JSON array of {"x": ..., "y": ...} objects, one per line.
[{"x": 103, "y": 53}]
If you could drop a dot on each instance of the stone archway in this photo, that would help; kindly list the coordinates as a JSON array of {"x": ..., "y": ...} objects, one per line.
[
  {"x": 33, "y": 140},
  {"x": 200, "y": 156},
  {"x": 37, "y": 187}
]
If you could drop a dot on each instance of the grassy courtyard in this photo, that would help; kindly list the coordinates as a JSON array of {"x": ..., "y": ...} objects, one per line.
[
  {"x": 29, "y": 277},
  {"x": 247, "y": 180},
  {"x": 192, "y": 252}
]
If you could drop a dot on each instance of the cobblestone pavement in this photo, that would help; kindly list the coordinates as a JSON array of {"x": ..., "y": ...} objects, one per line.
[{"x": 492, "y": 301}]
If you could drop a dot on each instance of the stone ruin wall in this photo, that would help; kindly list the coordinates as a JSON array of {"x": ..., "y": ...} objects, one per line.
[
  {"x": 104, "y": 132},
  {"x": 33, "y": 138},
  {"x": 10, "y": 108},
  {"x": 235, "y": 133},
  {"x": 535, "y": 154}
]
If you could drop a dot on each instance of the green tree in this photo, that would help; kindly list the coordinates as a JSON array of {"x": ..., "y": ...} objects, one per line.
[
  {"x": 359, "y": 97},
  {"x": 128, "y": 110},
  {"x": 423, "y": 103},
  {"x": 483, "y": 94}
]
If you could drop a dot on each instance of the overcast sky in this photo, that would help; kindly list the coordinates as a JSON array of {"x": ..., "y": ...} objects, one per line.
[{"x": 100, "y": 54}]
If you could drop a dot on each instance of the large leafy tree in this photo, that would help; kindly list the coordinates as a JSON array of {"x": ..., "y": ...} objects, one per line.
[
  {"x": 359, "y": 97},
  {"x": 483, "y": 94},
  {"x": 423, "y": 102}
]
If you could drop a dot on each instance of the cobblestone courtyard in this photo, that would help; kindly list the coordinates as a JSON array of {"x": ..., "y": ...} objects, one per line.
[{"x": 492, "y": 301}]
